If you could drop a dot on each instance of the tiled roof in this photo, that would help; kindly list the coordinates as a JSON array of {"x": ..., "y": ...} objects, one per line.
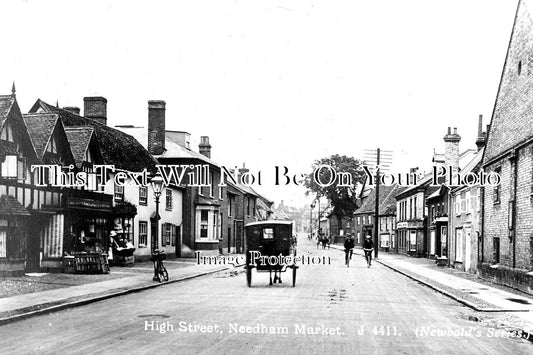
[
  {"x": 439, "y": 192},
  {"x": 263, "y": 206},
  {"x": 243, "y": 189},
  {"x": 79, "y": 139},
  {"x": 6, "y": 101},
  {"x": 201, "y": 200},
  {"x": 40, "y": 127},
  {"x": 512, "y": 119},
  {"x": 172, "y": 148},
  {"x": 118, "y": 148},
  {"x": 369, "y": 204},
  {"x": 10, "y": 108},
  {"x": 388, "y": 206},
  {"x": 9, "y": 206}
]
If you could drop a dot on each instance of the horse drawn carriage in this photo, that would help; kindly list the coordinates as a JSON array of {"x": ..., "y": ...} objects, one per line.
[{"x": 270, "y": 247}]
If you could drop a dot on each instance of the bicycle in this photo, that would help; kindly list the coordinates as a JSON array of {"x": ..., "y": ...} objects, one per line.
[
  {"x": 160, "y": 272},
  {"x": 368, "y": 256},
  {"x": 348, "y": 256}
]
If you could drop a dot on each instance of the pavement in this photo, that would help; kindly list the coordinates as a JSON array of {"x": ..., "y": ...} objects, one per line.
[
  {"x": 464, "y": 288},
  {"x": 69, "y": 290}
]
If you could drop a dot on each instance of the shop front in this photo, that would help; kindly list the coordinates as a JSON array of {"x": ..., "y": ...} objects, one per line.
[
  {"x": 88, "y": 222},
  {"x": 121, "y": 247},
  {"x": 410, "y": 236}
]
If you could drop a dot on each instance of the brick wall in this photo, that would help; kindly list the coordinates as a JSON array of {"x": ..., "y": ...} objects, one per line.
[
  {"x": 496, "y": 214},
  {"x": 156, "y": 127},
  {"x": 512, "y": 121},
  {"x": 95, "y": 108},
  {"x": 524, "y": 207}
]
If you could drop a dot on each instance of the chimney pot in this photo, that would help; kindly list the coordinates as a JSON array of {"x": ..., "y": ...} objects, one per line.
[
  {"x": 451, "y": 146},
  {"x": 243, "y": 171},
  {"x": 95, "y": 108},
  {"x": 156, "y": 126},
  {"x": 204, "y": 147},
  {"x": 481, "y": 136}
]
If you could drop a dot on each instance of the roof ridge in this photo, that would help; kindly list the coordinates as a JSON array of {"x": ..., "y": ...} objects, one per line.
[
  {"x": 39, "y": 114},
  {"x": 72, "y": 128}
]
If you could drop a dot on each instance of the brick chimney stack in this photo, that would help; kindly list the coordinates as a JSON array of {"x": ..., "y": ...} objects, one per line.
[
  {"x": 204, "y": 147},
  {"x": 156, "y": 127},
  {"x": 243, "y": 171},
  {"x": 481, "y": 139},
  {"x": 95, "y": 108},
  {"x": 451, "y": 147}
]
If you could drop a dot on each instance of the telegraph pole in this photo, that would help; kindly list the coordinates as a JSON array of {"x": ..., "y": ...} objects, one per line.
[
  {"x": 382, "y": 160},
  {"x": 376, "y": 207}
]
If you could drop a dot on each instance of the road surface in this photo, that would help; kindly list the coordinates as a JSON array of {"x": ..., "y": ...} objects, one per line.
[{"x": 332, "y": 309}]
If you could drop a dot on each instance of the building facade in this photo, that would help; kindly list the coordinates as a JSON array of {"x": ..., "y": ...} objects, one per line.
[
  {"x": 203, "y": 206},
  {"x": 411, "y": 219},
  {"x": 128, "y": 210},
  {"x": 507, "y": 245}
]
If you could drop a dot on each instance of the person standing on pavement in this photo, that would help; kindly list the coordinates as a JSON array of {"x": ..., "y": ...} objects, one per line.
[{"x": 112, "y": 243}]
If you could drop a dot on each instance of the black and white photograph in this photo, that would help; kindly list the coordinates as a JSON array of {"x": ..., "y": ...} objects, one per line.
[{"x": 266, "y": 177}]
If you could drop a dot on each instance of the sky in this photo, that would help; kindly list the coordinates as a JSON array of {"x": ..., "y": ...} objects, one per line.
[{"x": 272, "y": 83}]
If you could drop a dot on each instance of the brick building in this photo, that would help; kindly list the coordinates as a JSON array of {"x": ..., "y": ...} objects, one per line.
[
  {"x": 202, "y": 207},
  {"x": 411, "y": 221},
  {"x": 132, "y": 210},
  {"x": 507, "y": 247},
  {"x": 387, "y": 220},
  {"x": 364, "y": 216},
  {"x": 241, "y": 209},
  {"x": 464, "y": 215}
]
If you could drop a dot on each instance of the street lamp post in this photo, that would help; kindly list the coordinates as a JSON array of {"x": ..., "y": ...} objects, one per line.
[
  {"x": 318, "y": 214},
  {"x": 157, "y": 186},
  {"x": 311, "y": 219}
]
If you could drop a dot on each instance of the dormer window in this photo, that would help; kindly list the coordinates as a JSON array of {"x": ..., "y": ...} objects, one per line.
[
  {"x": 9, "y": 167},
  {"x": 7, "y": 133},
  {"x": 52, "y": 146},
  {"x": 88, "y": 157}
]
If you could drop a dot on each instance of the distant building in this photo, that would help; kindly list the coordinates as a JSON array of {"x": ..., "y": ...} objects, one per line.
[{"x": 364, "y": 217}]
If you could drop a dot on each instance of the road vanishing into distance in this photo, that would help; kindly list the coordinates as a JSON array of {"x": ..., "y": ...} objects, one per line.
[{"x": 332, "y": 309}]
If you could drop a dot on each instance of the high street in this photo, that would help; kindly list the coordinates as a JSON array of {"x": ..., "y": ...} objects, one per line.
[{"x": 332, "y": 309}]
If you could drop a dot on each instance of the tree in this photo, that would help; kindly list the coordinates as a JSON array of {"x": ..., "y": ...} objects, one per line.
[{"x": 336, "y": 178}]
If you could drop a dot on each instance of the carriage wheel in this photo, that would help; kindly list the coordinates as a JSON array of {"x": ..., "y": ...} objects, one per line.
[
  {"x": 249, "y": 275},
  {"x": 293, "y": 275}
]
